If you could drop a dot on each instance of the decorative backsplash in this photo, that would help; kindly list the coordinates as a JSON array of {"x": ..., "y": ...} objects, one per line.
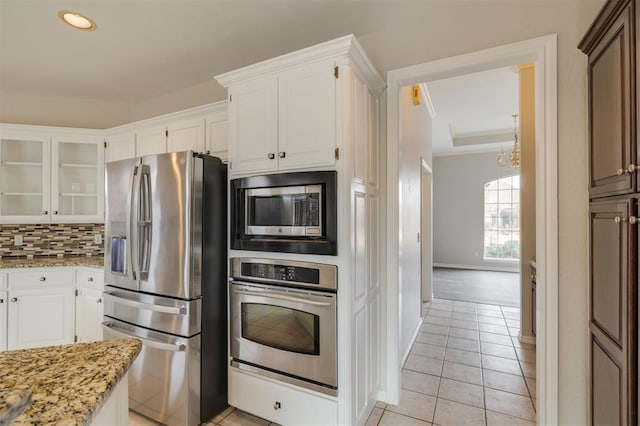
[{"x": 65, "y": 239}]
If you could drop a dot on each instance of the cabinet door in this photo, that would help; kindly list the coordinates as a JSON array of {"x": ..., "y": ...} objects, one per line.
[
  {"x": 40, "y": 317},
  {"x": 217, "y": 136},
  {"x": 610, "y": 110},
  {"x": 185, "y": 135},
  {"x": 307, "y": 117},
  {"x": 3, "y": 320},
  {"x": 613, "y": 308},
  {"x": 77, "y": 179},
  {"x": 152, "y": 140},
  {"x": 121, "y": 146},
  {"x": 89, "y": 309},
  {"x": 24, "y": 177},
  {"x": 253, "y": 131}
]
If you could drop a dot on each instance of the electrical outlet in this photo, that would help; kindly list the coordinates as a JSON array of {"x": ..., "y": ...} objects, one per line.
[
  {"x": 17, "y": 240},
  {"x": 97, "y": 239}
]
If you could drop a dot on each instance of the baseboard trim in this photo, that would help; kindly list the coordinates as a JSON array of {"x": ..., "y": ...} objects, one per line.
[
  {"x": 477, "y": 267},
  {"x": 405, "y": 355},
  {"x": 526, "y": 339}
]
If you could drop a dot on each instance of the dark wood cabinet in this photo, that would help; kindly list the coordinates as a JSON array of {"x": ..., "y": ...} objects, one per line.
[{"x": 611, "y": 44}]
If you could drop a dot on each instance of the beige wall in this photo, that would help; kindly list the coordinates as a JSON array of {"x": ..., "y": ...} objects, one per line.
[
  {"x": 527, "y": 192},
  {"x": 455, "y": 28},
  {"x": 415, "y": 135}
]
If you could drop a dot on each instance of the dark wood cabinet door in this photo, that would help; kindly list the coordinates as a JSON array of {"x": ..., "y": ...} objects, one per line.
[
  {"x": 611, "y": 108},
  {"x": 613, "y": 306}
]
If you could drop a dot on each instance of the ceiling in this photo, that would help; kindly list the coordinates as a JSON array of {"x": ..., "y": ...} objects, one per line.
[
  {"x": 474, "y": 111},
  {"x": 146, "y": 48}
]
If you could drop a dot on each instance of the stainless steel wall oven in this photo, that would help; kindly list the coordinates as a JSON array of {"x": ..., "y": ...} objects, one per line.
[
  {"x": 284, "y": 321},
  {"x": 286, "y": 212}
]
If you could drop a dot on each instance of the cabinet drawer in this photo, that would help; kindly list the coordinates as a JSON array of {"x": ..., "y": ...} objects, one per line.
[
  {"x": 93, "y": 279},
  {"x": 293, "y": 406},
  {"x": 40, "y": 278}
]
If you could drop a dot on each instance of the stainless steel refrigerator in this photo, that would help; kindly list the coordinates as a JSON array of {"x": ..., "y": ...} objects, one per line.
[{"x": 165, "y": 276}]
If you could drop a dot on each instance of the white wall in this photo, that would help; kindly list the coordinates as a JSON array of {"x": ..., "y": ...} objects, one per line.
[
  {"x": 461, "y": 27},
  {"x": 458, "y": 209},
  {"x": 416, "y": 145}
]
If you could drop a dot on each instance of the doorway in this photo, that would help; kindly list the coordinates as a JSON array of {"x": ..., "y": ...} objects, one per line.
[
  {"x": 426, "y": 233},
  {"x": 542, "y": 52}
]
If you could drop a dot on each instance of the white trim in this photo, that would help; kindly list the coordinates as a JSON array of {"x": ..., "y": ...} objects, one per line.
[
  {"x": 526, "y": 339},
  {"x": 414, "y": 336},
  {"x": 426, "y": 166},
  {"x": 543, "y": 52},
  {"x": 424, "y": 90},
  {"x": 493, "y": 148},
  {"x": 477, "y": 267}
]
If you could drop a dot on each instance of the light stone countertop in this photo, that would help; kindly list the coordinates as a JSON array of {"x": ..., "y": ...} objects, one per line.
[
  {"x": 50, "y": 261},
  {"x": 68, "y": 384}
]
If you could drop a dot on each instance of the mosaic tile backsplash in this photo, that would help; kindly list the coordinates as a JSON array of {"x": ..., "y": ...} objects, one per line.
[{"x": 65, "y": 239}]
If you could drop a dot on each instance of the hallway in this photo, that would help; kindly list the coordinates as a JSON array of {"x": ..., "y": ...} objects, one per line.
[{"x": 467, "y": 367}]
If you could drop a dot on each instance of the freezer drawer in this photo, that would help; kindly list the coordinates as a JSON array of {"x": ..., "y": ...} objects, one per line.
[
  {"x": 164, "y": 381},
  {"x": 180, "y": 317}
]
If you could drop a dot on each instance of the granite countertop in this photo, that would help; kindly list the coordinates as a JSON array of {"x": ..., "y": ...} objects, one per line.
[
  {"x": 46, "y": 262},
  {"x": 68, "y": 383},
  {"x": 13, "y": 402}
]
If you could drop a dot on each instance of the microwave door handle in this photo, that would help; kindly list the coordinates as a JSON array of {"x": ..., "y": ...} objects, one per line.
[
  {"x": 281, "y": 297},
  {"x": 152, "y": 343}
]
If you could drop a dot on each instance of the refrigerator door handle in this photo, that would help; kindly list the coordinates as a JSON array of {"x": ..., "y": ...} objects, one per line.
[
  {"x": 152, "y": 343},
  {"x": 133, "y": 222},
  {"x": 144, "y": 223},
  {"x": 174, "y": 310}
]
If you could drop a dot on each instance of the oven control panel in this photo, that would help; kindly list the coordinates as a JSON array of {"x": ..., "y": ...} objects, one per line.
[{"x": 285, "y": 272}]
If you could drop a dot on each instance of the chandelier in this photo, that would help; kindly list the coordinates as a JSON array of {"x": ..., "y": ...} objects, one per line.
[{"x": 511, "y": 157}]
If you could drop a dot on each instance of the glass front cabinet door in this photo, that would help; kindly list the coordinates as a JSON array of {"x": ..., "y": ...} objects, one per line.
[
  {"x": 77, "y": 178},
  {"x": 24, "y": 177}
]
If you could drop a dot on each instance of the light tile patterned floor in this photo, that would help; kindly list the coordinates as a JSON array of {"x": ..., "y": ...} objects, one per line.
[
  {"x": 467, "y": 367},
  {"x": 229, "y": 417}
]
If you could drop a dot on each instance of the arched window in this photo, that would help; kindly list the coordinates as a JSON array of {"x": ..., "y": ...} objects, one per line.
[{"x": 502, "y": 219}]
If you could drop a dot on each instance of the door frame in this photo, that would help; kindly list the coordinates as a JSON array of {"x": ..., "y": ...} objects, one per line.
[
  {"x": 543, "y": 52},
  {"x": 425, "y": 237}
]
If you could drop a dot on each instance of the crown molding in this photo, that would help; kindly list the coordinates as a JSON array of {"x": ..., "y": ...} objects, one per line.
[{"x": 346, "y": 46}]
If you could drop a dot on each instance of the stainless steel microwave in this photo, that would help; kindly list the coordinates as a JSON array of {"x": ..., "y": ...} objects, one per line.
[{"x": 286, "y": 212}]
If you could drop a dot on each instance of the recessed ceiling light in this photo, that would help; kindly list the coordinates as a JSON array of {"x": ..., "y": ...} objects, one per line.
[{"x": 77, "y": 20}]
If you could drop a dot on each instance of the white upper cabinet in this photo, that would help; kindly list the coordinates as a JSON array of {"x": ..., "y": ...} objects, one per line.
[
  {"x": 307, "y": 116},
  {"x": 151, "y": 140},
  {"x": 77, "y": 178},
  {"x": 216, "y": 131},
  {"x": 253, "y": 132},
  {"x": 51, "y": 176},
  {"x": 121, "y": 146},
  {"x": 285, "y": 121},
  {"x": 185, "y": 135}
]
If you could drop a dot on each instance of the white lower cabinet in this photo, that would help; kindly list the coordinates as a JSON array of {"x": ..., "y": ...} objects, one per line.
[
  {"x": 40, "y": 317},
  {"x": 280, "y": 402},
  {"x": 89, "y": 309}
]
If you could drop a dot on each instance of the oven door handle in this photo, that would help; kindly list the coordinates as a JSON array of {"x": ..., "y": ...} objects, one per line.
[
  {"x": 281, "y": 297},
  {"x": 152, "y": 343}
]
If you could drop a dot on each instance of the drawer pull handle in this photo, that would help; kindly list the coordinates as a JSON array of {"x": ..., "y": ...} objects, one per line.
[
  {"x": 14, "y": 299},
  {"x": 282, "y": 154},
  {"x": 43, "y": 278},
  {"x": 277, "y": 406},
  {"x": 271, "y": 156},
  {"x": 90, "y": 279},
  {"x": 99, "y": 300}
]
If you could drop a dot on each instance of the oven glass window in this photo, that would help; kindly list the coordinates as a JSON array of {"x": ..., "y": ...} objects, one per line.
[
  {"x": 281, "y": 328},
  {"x": 284, "y": 210}
]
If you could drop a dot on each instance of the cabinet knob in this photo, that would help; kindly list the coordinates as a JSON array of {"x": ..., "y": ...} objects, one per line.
[
  {"x": 1, "y": 300},
  {"x": 14, "y": 299},
  {"x": 282, "y": 154},
  {"x": 277, "y": 406},
  {"x": 631, "y": 168},
  {"x": 633, "y": 220},
  {"x": 271, "y": 156},
  {"x": 45, "y": 212},
  {"x": 43, "y": 278},
  {"x": 620, "y": 172},
  {"x": 619, "y": 219},
  {"x": 99, "y": 300},
  {"x": 55, "y": 212},
  {"x": 90, "y": 279}
]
